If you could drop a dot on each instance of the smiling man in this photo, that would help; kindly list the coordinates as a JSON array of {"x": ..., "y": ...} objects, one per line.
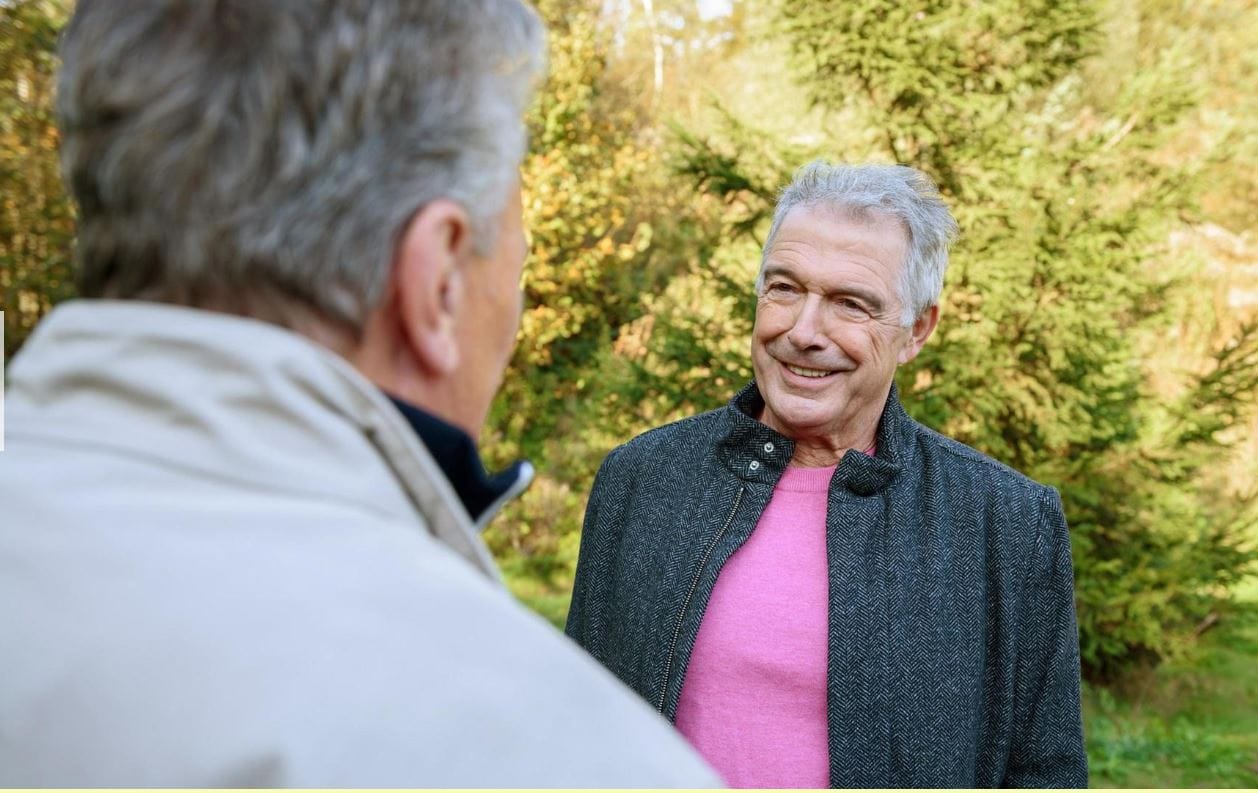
[{"x": 816, "y": 589}]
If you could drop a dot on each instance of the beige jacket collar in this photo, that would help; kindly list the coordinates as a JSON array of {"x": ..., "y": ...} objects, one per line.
[{"x": 236, "y": 398}]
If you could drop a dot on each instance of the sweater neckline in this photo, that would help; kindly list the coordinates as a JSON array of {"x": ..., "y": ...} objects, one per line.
[{"x": 799, "y": 479}]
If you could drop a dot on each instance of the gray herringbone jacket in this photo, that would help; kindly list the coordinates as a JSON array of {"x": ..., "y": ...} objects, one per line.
[{"x": 953, "y": 649}]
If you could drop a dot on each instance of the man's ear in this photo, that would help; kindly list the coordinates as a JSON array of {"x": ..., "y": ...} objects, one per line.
[
  {"x": 428, "y": 283},
  {"x": 919, "y": 333}
]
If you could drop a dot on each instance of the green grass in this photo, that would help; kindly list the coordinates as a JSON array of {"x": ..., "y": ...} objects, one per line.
[{"x": 1191, "y": 722}]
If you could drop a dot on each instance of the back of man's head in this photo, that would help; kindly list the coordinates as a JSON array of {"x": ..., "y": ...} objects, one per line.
[{"x": 262, "y": 157}]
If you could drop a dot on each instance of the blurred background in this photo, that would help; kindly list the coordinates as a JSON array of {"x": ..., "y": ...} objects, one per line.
[{"x": 1100, "y": 319}]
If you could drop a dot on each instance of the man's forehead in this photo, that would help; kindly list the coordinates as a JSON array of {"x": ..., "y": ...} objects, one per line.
[
  {"x": 824, "y": 224},
  {"x": 829, "y": 214}
]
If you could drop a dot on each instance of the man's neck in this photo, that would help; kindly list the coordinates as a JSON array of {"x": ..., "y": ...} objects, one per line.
[
  {"x": 825, "y": 449},
  {"x": 820, "y": 453}
]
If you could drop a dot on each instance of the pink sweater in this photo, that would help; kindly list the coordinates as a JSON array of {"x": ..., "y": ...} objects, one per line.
[{"x": 754, "y": 698}]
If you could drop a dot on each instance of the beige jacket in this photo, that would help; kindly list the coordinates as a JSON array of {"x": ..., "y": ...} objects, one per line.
[{"x": 226, "y": 560}]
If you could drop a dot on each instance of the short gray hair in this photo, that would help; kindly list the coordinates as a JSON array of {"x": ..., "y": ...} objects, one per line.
[
  {"x": 894, "y": 191},
  {"x": 259, "y": 156}
]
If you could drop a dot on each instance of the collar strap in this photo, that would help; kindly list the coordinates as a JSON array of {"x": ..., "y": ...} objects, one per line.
[
  {"x": 754, "y": 452},
  {"x": 481, "y": 493}
]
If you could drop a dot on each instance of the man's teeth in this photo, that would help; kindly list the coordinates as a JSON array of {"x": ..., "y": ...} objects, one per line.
[{"x": 802, "y": 372}]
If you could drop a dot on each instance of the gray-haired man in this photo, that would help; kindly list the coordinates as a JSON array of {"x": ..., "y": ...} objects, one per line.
[
  {"x": 815, "y": 588},
  {"x": 227, "y": 558}
]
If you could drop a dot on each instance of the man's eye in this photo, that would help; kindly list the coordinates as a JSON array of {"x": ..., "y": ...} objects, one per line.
[{"x": 778, "y": 286}]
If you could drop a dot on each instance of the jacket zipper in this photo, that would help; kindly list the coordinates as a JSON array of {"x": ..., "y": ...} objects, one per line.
[{"x": 694, "y": 583}]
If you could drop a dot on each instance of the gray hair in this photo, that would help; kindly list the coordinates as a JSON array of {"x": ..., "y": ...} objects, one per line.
[
  {"x": 895, "y": 191},
  {"x": 263, "y": 156}
]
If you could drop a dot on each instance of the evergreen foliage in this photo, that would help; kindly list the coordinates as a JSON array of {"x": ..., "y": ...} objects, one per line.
[
  {"x": 1058, "y": 282},
  {"x": 36, "y": 218},
  {"x": 607, "y": 233}
]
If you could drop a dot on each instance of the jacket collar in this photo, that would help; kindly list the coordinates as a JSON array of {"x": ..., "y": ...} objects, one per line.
[
  {"x": 481, "y": 494},
  {"x": 239, "y": 399},
  {"x": 757, "y": 453}
]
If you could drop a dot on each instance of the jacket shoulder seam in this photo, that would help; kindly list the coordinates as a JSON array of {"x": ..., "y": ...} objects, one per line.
[
  {"x": 660, "y": 434},
  {"x": 1008, "y": 474}
]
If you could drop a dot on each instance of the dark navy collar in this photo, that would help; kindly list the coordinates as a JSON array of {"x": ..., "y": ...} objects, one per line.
[{"x": 456, "y": 453}]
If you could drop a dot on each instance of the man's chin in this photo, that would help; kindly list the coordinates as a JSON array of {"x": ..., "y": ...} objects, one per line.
[{"x": 794, "y": 422}]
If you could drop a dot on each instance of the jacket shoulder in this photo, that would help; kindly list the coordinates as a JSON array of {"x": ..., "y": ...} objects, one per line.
[
  {"x": 681, "y": 439},
  {"x": 989, "y": 495},
  {"x": 968, "y": 463}
]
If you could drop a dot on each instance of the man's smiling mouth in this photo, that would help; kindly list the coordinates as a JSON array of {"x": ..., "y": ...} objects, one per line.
[{"x": 803, "y": 372}]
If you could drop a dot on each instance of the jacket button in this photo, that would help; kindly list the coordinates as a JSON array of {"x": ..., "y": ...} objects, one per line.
[
  {"x": 754, "y": 465},
  {"x": 768, "y": 448}
]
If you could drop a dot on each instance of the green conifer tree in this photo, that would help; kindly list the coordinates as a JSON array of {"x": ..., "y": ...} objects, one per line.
[{"x": 1058, "y": 282}]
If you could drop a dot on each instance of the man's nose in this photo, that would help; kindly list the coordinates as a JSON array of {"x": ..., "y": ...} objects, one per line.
[{"x": 808, "y": 329}]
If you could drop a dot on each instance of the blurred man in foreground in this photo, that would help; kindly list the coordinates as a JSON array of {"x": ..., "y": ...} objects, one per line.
[
  {"x": 241, "y": 494},
  {"x": 817, "y": 589}
]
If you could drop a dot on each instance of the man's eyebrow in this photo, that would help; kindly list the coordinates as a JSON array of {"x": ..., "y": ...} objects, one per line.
[
  {"x": 870, "y": 298},
  {"x": 777, "y": 269}
]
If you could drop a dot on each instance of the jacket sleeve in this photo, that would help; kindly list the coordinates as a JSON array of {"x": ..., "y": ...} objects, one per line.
[
  {"x": 1047, "y": 747},
  {"x": 600, "y": 537}
]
